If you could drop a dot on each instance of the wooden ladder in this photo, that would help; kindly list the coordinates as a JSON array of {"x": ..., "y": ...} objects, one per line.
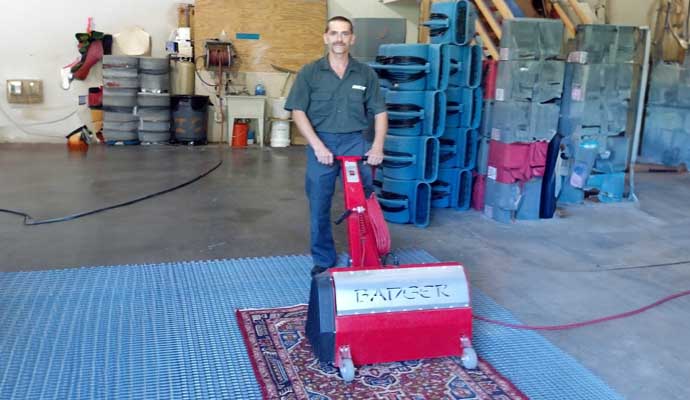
[{"x": 491, "y": 14}]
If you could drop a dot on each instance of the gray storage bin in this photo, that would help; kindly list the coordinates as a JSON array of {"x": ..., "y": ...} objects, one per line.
[
  {"x": 154, "y": 137},
  {"x": 154, "y": 126},
  {"x": 154, "y": 65},
  {"x": 117, "y": 135},
  {"x": 119, "y": 116},
  {"x": 154, "y": 83},
  {"x": 120, "y": 73},
  {"x": 153, "y": 100},
  {"x": 120, "y": 126},
  {"x": 153, "y": 113},
  {"x": 121, "y": 83},
  {"x": 119, "y": 97},
  {"x": 111, "y": 61}
]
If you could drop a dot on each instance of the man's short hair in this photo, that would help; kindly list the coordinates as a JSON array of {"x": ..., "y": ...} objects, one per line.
[{"x": 339, "y": 18}]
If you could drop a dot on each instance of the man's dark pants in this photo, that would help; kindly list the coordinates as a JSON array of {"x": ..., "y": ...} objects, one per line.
[{"x": 320, "y": 185}]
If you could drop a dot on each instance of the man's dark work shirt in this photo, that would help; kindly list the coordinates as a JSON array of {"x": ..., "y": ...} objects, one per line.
[{"x": 335, "y": 105}]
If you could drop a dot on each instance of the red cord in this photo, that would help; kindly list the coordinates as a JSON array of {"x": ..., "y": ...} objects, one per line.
[{"x": 583, "y": 323}]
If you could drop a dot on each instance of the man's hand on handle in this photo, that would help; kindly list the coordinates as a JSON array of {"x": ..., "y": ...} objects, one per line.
[
  {"x": 323, "y": 154},
  {"x": 374, "y": 156}
]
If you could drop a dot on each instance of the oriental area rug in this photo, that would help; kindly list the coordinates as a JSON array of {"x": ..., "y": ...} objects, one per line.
[{"x": 286, "y": 368}]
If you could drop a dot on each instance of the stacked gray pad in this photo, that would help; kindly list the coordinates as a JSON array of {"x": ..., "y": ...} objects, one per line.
[
  {"x": 153, "y": 100},
  {"x": 599, "y": 80},
  {"x": 523, "y": 122},
  {"x": 529, "y": 87},
  {"x": 666, "y": 138},
  {"x": 120, "y": 84},
  {"x": 531, "y": 39},
  {"x": 597, "y": 112},
  {"x": 597, "y": 99},
  {"x": 606, "y": 44},
  {"x": 670, "y": 85},
  {"x": 520, "y": 199},
  {"x": 529, "y": 80}
]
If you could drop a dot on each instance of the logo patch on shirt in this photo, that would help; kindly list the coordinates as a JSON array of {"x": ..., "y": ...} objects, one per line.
[{"x": 358, "y": 87}]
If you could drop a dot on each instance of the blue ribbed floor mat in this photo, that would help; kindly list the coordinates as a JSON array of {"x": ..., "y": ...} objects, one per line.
[{"x": 169, "y": 331}]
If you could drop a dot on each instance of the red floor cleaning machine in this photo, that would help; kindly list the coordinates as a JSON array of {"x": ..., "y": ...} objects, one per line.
[{"x": 371, "y": 313}]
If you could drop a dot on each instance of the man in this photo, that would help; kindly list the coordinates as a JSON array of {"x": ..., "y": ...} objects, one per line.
[{"x": 330, "y": 101}]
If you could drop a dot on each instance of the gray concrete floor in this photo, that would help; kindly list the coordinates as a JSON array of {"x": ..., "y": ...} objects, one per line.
[{"x": 594, "y": 260}]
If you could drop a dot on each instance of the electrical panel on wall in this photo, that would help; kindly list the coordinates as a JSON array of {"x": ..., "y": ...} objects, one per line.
[
  {"x": 373, "y": 32},
  {"x": 24, "y": 91}
]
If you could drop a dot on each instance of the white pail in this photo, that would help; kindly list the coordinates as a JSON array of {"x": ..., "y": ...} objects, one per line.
[
  {"x": 277, "y": 108},
  {"x": 280, "y": 134}
]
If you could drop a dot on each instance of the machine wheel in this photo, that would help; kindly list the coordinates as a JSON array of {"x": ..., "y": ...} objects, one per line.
[
  {"x": 469, "y": 358},
  {"x": 347, "y": 370}
]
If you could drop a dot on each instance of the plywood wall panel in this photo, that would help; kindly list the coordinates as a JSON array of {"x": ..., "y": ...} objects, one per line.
[{"x": 290, "y": 31}]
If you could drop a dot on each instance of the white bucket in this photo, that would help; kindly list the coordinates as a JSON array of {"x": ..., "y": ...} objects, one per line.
[
  {"x": 277, "y": 108},
  {"x": 280, "y": 134}
]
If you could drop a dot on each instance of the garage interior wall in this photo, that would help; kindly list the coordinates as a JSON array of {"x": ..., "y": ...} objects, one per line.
[
  {"x": 623, "y": 12},
  {"x": 39, "y": 40}
]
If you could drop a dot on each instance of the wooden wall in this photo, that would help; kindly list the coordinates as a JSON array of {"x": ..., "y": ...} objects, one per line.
[{"x": 290, "y": 31}]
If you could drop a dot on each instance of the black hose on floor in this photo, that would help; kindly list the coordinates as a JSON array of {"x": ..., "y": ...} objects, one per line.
[{"x": 29, "y": 220}]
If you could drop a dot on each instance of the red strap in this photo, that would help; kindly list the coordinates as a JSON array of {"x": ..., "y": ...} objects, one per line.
[
  {"x": 478, "y": 190},
  {"x": 490, "y": 72},
  {"x": 378, "y": 225}
]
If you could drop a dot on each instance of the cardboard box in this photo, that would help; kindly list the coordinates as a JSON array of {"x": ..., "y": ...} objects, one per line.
[{"x": 296, "y": 138}]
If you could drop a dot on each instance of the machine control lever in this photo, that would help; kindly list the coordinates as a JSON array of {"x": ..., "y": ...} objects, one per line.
[{"x": 343, "y": 217}]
